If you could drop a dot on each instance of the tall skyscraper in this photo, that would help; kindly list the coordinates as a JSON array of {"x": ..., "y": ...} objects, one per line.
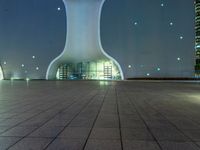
[{"x": 197, "y": 38}]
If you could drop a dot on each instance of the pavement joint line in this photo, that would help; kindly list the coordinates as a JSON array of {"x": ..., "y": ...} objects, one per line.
[
  {"x": 191, "y": 140},
  {"x": 119, "y": 119},
  {"x": 133, "y": 105},
  {"x": 86, "y": 141},
  {"x": 90, "y": 100},
  {"x": 41, "y": 125}
]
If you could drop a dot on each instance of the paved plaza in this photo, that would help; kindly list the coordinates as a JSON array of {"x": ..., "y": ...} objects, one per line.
[{"x": 99, "y": 115}]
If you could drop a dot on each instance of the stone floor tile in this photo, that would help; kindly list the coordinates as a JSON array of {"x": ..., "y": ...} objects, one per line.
[
  {"x": 136, "y": 134},
  {"x": 6, "y": 142},
  {"x": 94, "y": 144},
  {"x": 75, "y": 133},
  {"x": 11, "y": 122},
  {"x": 66, "y": 144},
  {"x": 107, "y": 121},
  {"x": 193, "y": 134},
  {"x": 132, "y": 123},
  {"x": 105, "y": 133},
  {"x": 140, "y": 145},
  {"x": 178, "y": 146},
  {"x": 185, "y": 124},
  {"x": 18, "y": 131},
  {"x": 159, "y": 124},
  {"x": 4, "y": 128},
  {"x": 130, "y": 117},
  {"x": 46, "y": 132},
  {"x": 168, "y": 135},
  {"x": 31, "y": 144},
  {"x": 86, "y": 122}
]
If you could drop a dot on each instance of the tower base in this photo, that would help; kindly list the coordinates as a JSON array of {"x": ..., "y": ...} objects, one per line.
[{"x": 91, "y": 70}]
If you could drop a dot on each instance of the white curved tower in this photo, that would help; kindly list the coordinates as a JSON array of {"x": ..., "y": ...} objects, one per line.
[
  {"x": 1, "y": 73},
  {"x": 83, "y": 56}
]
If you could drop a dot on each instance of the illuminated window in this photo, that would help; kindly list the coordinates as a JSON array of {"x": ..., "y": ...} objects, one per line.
[{"x": 103, "y": 69}]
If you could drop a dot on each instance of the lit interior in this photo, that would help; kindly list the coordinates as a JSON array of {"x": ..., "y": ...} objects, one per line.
[{"x": 96, "y": 70}]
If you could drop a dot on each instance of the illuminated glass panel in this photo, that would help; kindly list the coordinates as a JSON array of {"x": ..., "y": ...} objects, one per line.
[{"x": 103, "y": 69}]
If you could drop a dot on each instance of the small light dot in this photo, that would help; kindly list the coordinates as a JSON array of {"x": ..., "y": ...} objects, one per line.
[
  {"x": 129, "y": 66},
  {"x": 22, "y": 65},
  {"x": 181, "y": 37},
  {"x": 158, "y": 69},
  {"x": 33, "y": 57},
  {"x": 37, "y": 68},
  {"x": 4, "y": 62},
  {"x": 178, "y": 58},
  {"x": 135, "y": 23},
  {"x": 162, "y": 5},
  {"x": 59, "y": 8},
  {"x": 171, "y": 24},
  {"x": 148, "y": 74}
]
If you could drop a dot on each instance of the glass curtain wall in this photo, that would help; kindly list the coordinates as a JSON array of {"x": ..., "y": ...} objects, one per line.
[{"x": 105, "y": 70}]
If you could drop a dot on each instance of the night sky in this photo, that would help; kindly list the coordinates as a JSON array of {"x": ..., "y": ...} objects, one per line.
[{"x": 147, "y": 37}]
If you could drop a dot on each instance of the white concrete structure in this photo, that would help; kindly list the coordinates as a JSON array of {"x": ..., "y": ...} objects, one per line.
[
  {"x": 1, "y": 73},
  {"x": 83, "y": 43}
]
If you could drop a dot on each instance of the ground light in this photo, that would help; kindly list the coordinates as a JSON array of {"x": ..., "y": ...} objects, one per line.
[
  {"x": 102, "y": 83},
  {"x": 27, "y": 81}
]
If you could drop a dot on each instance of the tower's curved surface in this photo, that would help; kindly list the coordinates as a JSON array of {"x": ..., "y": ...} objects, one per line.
[
  {"x": 1, "y": 73},
  {"x": 83, "y": 56}
]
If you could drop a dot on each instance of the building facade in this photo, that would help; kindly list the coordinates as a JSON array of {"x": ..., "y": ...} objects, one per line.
[{"x": 197, "y": 38}]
